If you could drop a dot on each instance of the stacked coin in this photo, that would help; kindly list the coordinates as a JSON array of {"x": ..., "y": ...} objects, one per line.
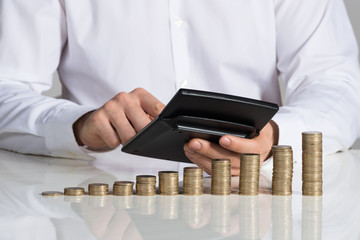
[
  {"x": 74, "y": 191},
  {"x": 282, "y": 170},
  {"x": 249, "y": 174},
  {"x": 51, "y": 194},
  {"x": 146, "y": 185},
  {"x": 123, "y": 188},
  {"x": 312, "y": 163},
  {"x": 221, "y": 177},
  {"x": 168, "y": 183},
  {"x": 193, "y": 181},
  {"x": 98, "y": 189}
]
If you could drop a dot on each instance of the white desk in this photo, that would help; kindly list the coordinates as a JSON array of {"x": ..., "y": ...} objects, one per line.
[{"x": 25, "y": 214}]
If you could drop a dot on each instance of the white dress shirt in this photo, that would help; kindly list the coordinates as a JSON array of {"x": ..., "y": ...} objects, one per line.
[{"x": 239, "y": 47}]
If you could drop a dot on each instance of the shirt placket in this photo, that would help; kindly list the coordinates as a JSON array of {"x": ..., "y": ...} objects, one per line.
[{"x": 179, "y": 41}]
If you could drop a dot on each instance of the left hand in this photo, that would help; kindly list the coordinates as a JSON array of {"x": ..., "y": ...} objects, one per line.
[{"x": 201, "y": 152}]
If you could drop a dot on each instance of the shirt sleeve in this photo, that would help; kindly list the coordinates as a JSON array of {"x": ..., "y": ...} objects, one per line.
[
  {"x": 318, "y": 65},
  {"x": 32, "y": 35}
]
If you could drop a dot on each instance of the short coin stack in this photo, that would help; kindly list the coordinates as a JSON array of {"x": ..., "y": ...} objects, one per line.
[
  {"x": 282, "y": 170},
  {"x": 123, "y": 188},
  {"x": 98, "y": 189},
  {"x": 168, "y": 183},
  {"x": 221, "y": 177},
  {"x": 51, "y": 194},
  {"x": 193, "y": 181},
  {"x": 146, "y": 185},
  {"x": 74, "y": 191},
  {"x": 249, "y": 174},
  {"x": 312, "y": 163}
]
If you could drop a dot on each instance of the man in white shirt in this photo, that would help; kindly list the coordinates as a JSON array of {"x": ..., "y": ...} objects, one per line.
[{"x": 103, "y": 49}]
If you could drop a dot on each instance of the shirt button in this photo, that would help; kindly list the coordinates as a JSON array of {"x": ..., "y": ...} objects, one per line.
[
  {"x": 178, "y": 22},
  {"x": 183, "y": 83}
]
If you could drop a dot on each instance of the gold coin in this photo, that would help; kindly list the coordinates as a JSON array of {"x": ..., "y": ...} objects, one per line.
[
  {"x": 51, "y": 194},
  {"x": 123, "y": 188},
  {"x": 168, "y": 183},
  {"x": 220, "y": 177},
  {"x": 74, "y": 191},
  {"x": 98, "y": 189}
]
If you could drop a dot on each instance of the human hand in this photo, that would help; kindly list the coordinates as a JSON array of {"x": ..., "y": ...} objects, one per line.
[
  {"x": 201, "y": 152},
  {"x": 117, "y": 121}
]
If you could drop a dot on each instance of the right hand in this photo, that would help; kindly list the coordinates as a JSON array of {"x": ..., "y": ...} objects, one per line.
[{"x": 117, "y": 121}]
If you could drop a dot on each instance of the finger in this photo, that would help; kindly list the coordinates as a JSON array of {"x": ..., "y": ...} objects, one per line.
[
  {"x": 209, "y": 149},
  {"x": 136, "y": 116},
  {"x": 213, "y": 151},
  {"x": 124, "y": 129},
  {"x": 200, "y": 160},
  {"x": 107, "y": 133},
  {"x": 239, "y": 145},
  {"x": 148, "y": 102}
]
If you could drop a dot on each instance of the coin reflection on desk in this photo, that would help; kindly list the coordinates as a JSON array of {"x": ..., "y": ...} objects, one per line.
[
  {"x": 123, "y": 202},
  {"x": 168, "y": 207},
  {"x": 220, "y": 214},
  {"x": 193, "y": 207},
  {"x": 311, "y": 217},
  {"x": 281, "y": 217},
  {"x": 335, "y": 215},
  {"x": 145, "y": 205},
  {"x": 249, "y": 223}
]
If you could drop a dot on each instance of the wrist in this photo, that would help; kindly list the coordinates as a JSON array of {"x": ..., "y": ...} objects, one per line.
[{"x": 78, "y": 125}]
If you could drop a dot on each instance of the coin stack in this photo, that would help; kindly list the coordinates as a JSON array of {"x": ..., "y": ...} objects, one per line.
[
  {"x": 249, "y": 174},
  {"x": 221, "y": 177},
  {"x": 74, "y": 191},
  {"x": 98, "y": 189},
  {"x": 146, "y": 185},
  {"x": 168, "y": 183},
  {"x": 282, "y": 170},
  {"x": 51, "y": 194},
  {"x": 312, "y": 163},
  {"x": 123, "y": 188},
  {"x": 193, "y": 181}
]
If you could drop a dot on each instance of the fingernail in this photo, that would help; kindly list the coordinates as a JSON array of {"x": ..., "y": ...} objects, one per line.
[
  {"x": 225, "y": 141},
  {"x": 196, "y": 145}
]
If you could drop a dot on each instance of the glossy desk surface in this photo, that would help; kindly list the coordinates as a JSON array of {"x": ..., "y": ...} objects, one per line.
[{"x": 25, "y": 214}]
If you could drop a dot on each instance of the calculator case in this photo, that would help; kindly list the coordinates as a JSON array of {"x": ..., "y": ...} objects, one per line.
[{"x": 199, "y": 114}]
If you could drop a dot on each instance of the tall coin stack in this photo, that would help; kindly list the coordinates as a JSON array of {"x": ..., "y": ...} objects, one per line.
[
  {"x": 98, "y": 189},
  {"x": 220, "y": 177},
  {"x": 312, "y": 163},
  {"x": 282, "y": 170},
  {"x": 193, "y": 181},
  {"x": 146, "y": 185},
  {"x": 168, "y": 183},
  {"x": 249, "y": 174},
  {"x": 123, "y": 188}
]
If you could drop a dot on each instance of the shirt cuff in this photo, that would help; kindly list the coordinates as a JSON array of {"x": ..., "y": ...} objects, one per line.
[
  {"x": 59, "y": 135},
  {"x": 290, "y": 128}
]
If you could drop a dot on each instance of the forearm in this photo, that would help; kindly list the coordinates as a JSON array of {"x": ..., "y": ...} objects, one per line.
[{"x": 32, "y": 123}]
